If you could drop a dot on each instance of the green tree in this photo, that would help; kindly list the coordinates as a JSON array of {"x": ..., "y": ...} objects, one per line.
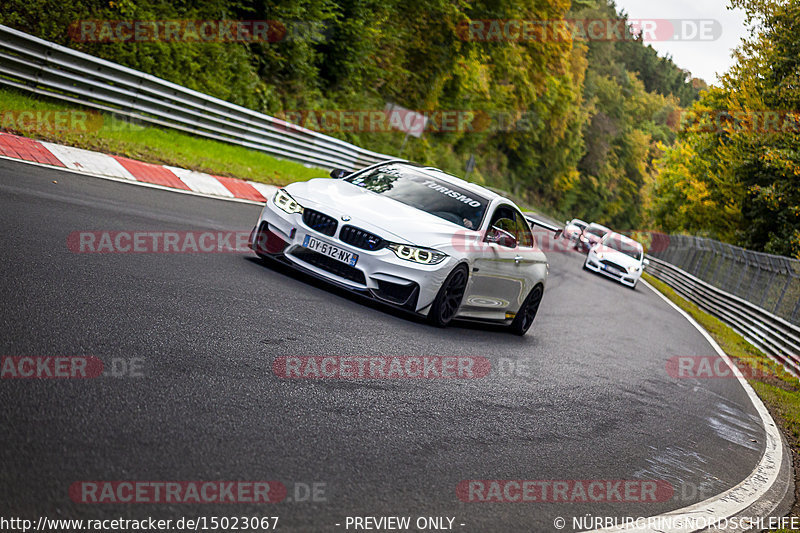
[{"x": 744, "y": 138}]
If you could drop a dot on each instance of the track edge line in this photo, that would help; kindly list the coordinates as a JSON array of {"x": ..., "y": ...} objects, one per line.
[{"x": 748, "y": 492}]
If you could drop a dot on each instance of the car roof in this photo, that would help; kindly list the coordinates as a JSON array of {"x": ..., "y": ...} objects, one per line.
[
  {"x": 578, "y": 221},
  {"x": 464, "y": 184},
  {"x": 596, "y": 225},
  {"x": 622, "y": 238}
]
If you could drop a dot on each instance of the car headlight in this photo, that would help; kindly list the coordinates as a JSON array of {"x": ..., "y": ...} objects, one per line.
[
  {"x": 286, "y": 202},
  {"x": 633, "y": 269},
  {"x": 424, "y": 256}
]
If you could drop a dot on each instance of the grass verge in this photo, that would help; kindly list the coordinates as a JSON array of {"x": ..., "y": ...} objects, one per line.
[
  {"x": 779, "y": 390},
  {"x": 106, "y": 133}
]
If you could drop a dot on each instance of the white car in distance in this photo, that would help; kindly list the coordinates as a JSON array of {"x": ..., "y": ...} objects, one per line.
[
  {"x": 573, "y": 229},
  {"x": 618, "y": 257}
]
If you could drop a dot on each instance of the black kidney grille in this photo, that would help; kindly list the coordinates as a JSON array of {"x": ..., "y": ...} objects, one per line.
[
  {"x": 319, "y": 222},
  {"x": 361, "y": 239}
]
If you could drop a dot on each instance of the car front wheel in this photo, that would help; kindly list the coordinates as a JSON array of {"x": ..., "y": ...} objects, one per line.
[
  {"x": 527, "y": 313},
  {"x": 448, "y": 300}
]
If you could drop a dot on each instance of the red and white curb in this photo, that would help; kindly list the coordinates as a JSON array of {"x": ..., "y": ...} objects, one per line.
[{"x": 125, "y": 169}]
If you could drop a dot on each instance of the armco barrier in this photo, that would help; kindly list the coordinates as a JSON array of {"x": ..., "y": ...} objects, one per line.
[
  {"x": 770, "y": 281},
  {"x": 35, "y": 65},
  {"x": 772, "y": 334}
]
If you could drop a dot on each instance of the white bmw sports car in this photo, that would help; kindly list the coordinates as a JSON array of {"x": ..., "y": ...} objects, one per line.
[
  {"x": 617, "y": 257},
  {"x": 412, "y": 237}
]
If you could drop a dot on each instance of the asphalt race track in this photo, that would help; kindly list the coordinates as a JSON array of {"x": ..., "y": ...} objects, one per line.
[{"x": 593, "y": 400}]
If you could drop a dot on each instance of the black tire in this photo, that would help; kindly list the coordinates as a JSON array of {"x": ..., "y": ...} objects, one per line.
[
  {"x": 584, "y": 264},
  {"x": 448, "y": 300},
  {"x": 527, "y": 313}
]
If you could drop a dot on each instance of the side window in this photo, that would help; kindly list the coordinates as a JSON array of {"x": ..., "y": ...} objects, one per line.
[
  {"x": 509, "y": 219},
  {"x": 522, "y": 231},
  {"x": 503, "y": 218}
]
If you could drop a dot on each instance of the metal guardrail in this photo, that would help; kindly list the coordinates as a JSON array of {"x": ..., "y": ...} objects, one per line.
[
  {"x": 771, "y": 334},
  {"x": 35, "y": 65},
  {"x": 771, "y": 282}
]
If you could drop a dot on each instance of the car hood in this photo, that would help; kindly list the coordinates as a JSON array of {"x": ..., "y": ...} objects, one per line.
[{"x": 387, "y": 218}]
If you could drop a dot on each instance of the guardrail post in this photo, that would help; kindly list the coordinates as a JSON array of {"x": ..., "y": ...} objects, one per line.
[
  {"x": 690, "y": 259},
  {"x": 733, "y": 266},
  {"x": 701, "y": 255},
  {"x": 783, "y": 293},
  {"x": 794, "y": 311},
  {"x": 137, "y": 89},
  {"x": 42, "y": 66},
  {"x": 712, "y": 256},
  {"x": 746, "y": 267},
  {"x": 720, "y": 261},
  {"x": 755, "y": 279},
  {"x": 766, "y": 289}
]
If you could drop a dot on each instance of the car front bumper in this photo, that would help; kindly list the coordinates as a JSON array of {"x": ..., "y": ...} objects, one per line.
[
  {"x": 628, "y": 278},
  {"x": 379, "y": 274}
]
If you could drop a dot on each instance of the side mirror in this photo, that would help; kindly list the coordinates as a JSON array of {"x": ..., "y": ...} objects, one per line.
[
  {"x": 339, "y": 173},
  {"x": 645, "y": 262},
  {"x": 558, "y": 234},
  {"x": 501, "y": 237}
]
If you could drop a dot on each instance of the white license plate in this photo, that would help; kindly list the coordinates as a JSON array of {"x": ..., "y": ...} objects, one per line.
[{"x": 330, "y": 250}]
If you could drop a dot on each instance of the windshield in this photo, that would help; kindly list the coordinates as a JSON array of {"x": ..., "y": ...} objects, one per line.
[
  {"x": 437, "y": 197},
  {"x": 626, "y": 248},
  {"x": 597, "y": 232}
]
